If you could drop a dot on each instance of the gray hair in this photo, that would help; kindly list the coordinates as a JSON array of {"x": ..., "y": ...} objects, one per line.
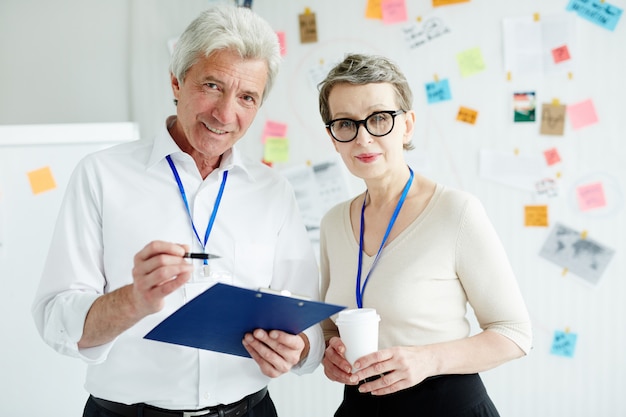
[
  {"x": 227, "y": 27},
  {"x": 360, "y": 69}
]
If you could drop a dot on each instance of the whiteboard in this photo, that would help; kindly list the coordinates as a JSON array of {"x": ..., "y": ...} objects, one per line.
[{"x": 35, "y": 379}]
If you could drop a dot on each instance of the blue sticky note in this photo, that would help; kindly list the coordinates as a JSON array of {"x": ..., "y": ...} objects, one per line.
[
  {"x": 563, "y": 344},
  {"x": 438, "y": 91},
  {"x": 601, "y": 13}
]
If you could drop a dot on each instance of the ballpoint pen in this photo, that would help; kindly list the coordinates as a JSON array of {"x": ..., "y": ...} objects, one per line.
[{"x": 200, "y": 255}]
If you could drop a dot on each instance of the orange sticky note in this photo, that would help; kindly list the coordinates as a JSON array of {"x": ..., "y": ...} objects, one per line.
[
  {"x": 582, "y": 114},
  {"x": 374, "y": 9},
  {"x": 552, "y": 156},
  {"x": 536, "y": 216},
  {"x": 590, "y": 196},
  {"x": 41, "y": 180},
  {"x": 394, "y": 11},
  {"x": 467, "y": 115},
  {"x": 437, "y": 3}
]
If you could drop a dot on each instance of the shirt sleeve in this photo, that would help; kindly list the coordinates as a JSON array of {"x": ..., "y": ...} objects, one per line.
[
  {"x": 296, "y": 269},
  {"x": 72, "y": 277},
  {"x": 488, "y": 279}
]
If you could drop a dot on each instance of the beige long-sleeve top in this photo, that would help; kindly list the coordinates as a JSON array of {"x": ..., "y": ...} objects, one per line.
[{"x": 448, "y": 257}]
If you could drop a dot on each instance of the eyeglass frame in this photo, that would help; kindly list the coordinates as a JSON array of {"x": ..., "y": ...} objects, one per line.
[{"x": 358, "y": 123}]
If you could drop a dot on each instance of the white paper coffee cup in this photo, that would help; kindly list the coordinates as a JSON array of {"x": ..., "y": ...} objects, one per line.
[{"x": 358, "y": 329}]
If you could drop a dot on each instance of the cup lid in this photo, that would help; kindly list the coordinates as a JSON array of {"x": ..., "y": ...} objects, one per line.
[{"x": 357, "y": 315}]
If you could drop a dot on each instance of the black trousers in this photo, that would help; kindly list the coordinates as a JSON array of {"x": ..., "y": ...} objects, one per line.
[
  {"x": 440, "y": 396},
  {"x": 265, "y": 408}
]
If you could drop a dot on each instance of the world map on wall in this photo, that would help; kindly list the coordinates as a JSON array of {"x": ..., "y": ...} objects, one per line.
[{"x": 573, "y": 250}]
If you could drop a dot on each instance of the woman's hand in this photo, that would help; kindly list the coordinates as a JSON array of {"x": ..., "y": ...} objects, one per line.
[
  {"x": 398, "y": 367},
  {"x": 336, "y": 366}
]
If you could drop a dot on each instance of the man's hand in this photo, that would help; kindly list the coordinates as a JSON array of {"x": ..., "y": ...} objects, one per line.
[
  {"x": 276, "y": 352},
  {"x": 159, "y": 269}
]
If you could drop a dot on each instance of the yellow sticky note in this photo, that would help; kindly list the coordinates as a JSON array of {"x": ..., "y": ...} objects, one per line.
[
  {"x": 536, "y": 216},
  {"x": 41, "y": 180},
  {"x": 374, "y": 9},
  {"x": 276, "y": 150},
  {"x": 467, "y": 115},
  {"x": 470, "y": 62}
]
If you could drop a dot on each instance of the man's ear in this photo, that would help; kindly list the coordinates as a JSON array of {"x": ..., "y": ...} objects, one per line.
[{"x": 175, "y": 86}]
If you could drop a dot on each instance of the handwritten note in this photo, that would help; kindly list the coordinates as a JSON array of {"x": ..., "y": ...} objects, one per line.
[
  {"x": 564, "y": 344},
  {"x": 394, "y": 11},
  {"x": 470, "y": 62},
  {"x": 467, "y": 115},
  {"x": 552, "y": 156},
  {"x": 276, "y": 150},
  {"x": 552, "y": 119},
  {"x": 582, "y": 114},
  {"x": 308, "y": 27},
  {"x": 560, "y": 54},
  {"x": 547, "y": 187},
  {"x": 590, "y": 196},
  {"x": 41, "y": 180},
  {"x": 438, "y": 91},
  {"x": 536, "y": 216},
  {"x": 429, "y": 29},
  {"x": 599, "y": 12}
]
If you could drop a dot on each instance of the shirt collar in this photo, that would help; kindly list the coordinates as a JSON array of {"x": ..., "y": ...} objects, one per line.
[{"x": 164, "y": 145}]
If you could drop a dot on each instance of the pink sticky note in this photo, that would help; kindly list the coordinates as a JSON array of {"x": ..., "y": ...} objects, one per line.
[
  {"x": 274, "y": 130},
  {"x": 282, "y": 41},
  {"x": 560, "y": 54},
  {"x": 582, "y": 114},
  {"x": 552, "y": 156},
  {"x": 590, "y": 196},
  {"x": 394, "y": 11}
]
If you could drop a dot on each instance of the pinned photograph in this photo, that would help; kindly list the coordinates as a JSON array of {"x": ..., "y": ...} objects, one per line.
[{"x": 524, "y": 107}]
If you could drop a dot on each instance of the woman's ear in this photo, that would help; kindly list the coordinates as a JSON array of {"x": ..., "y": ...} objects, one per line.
[{"x": 409, "y": 123}]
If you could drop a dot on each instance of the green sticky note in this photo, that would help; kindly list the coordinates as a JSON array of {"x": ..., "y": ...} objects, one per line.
[{"x": 276, "y": 150}]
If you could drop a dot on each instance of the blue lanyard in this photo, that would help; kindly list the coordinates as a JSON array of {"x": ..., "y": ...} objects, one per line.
[
  {"x": 361, "y": 289},
  {"x": 218, "y": 199}
]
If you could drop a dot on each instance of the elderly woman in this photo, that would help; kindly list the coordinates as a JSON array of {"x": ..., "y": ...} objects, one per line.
[{"x": 416, "y": 251}]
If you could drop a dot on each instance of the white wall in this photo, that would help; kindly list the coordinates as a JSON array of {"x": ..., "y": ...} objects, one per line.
[{"x": 50, "y": 73}]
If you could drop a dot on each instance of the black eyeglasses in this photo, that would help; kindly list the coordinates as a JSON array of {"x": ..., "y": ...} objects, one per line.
[{"x": 377, "y": 124}]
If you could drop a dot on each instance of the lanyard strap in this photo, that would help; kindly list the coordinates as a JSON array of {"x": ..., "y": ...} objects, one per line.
[
  {"x": 218, "y": 199},
  {"x": 360, "y": 289}
]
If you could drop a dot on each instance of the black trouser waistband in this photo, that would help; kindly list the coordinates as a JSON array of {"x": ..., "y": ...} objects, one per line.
[{"x": 236, "y": 409}]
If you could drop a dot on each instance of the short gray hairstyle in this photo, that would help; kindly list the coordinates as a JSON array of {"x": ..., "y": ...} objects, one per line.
[
  {"x": 227, "y": 27},
  {"x": 360, "y": 69}
]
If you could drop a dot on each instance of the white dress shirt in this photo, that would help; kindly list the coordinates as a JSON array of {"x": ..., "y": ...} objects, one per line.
[{"x": 120, "y": 199}]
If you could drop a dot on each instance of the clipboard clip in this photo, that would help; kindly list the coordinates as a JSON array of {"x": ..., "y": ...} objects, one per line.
[{"x": 284, "y": 293}]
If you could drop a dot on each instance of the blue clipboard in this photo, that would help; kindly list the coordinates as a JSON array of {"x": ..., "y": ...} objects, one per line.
[{"x": 218, "y": 318}]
